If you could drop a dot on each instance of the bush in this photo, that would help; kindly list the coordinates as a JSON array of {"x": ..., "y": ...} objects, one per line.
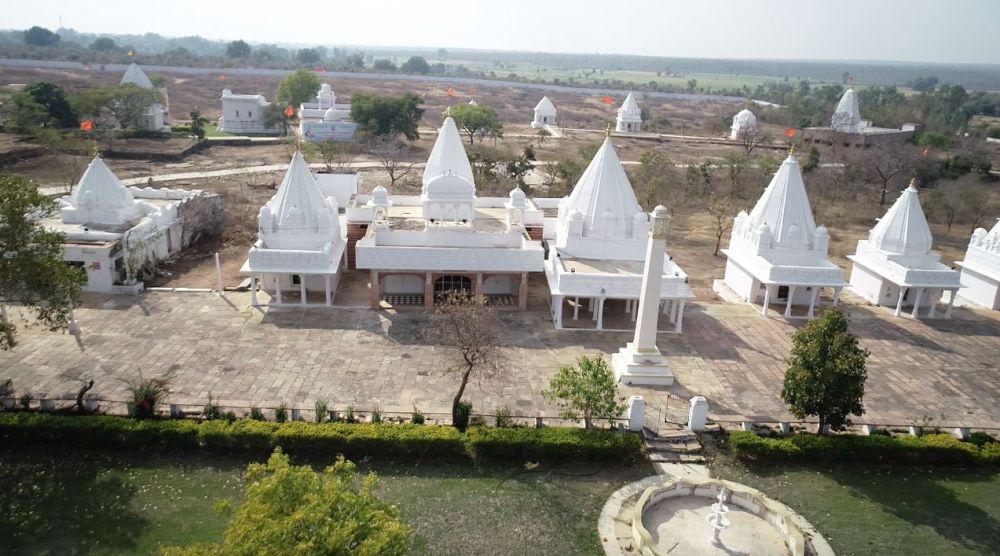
[
  {"x": 321, "y": 411},
  {"x": 211, "y": 410},
  {"x": 281, "y": 414},
  {"x": 417, "y": 418},
  {"x": 552, "y": 444},
  {"x": 928, "y": 449},
  {"x": 460, "y": 417},
  {"x": 503, "y": 417},
  {"x": 257, "y": 414}
]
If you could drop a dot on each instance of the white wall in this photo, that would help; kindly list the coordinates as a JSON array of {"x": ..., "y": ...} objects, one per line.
[
  {"x": 739, "y": 280},
  {"x": 980, "y": 289},
  {"x": 402, "y": 283},
  {"x": 499, "y": 285}
]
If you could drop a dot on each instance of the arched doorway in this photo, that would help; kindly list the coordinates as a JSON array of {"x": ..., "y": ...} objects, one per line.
[{"x": 451, "y": 283}]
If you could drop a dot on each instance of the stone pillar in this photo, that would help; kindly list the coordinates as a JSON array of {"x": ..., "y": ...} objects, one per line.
[
  {"x": 253, "y": 291},
  {"x": 636, "y": 413},
  {"x": 951, "y": 304},
  {"x": 679, "y": 325},
  {"x": 576, "y": 308},
  {"x": 479, "y": 284},
  {"x": 522, "y": 292},
  {"x": 600, "y": 313},
  {"x": 302, "y": 289},
  {"x": 375, "y": 290},
  {"x": 916, "y": 302},
  {"x": 429, "y": 291},
  {"x": 698, "y": 413},
  {"x": 767, "y": 301},
  {"x": 788, "y": 304},
  {"x": 277, "y": 287},
  {"x": 899, "y": 301},
  {"x": 329, "y": 296},
  {"x": 812, "y": 301},
  {"x": 557, "y": 309}
]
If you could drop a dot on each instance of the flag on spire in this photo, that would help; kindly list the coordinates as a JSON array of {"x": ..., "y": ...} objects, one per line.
[{"x": 289, "y": 111}]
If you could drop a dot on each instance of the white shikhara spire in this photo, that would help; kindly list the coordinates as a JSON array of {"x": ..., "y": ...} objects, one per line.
[
  {"x": 298, "y": 215},
  {"x": 847, "y": 116},
  {"x": 100, "y": 199},
  {"x": 604, "y": 197},
  {"x": 903, "y": 230},
  {"x": 629, "y": 109},
  {"x": 447, "y": 155},
  {"x": 135, "y": 76},
  {"x": 545, "y": 107},
  {"x": 743, "y": 122},
  {"x": 783, "y": 211}
]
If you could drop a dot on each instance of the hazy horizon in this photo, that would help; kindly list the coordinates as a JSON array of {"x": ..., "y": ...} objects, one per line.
[{"x": 908, "y": 31}]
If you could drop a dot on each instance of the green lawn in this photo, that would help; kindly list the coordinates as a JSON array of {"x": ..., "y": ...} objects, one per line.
[
  {"x": 885, "y": 511},
  {"x": 212, "y": 130},
  {"x": 59, "y": 501}
]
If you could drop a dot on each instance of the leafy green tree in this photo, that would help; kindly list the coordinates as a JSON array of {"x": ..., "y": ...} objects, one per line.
[
  {"x": 40, "y": 36},
  {"x": 300, "y": 86},
  {"x": 32, "y": 271},
  {"x": 104, "y": 44},
  {"x": 388, "y": 116},
  {"x": 53, "y": 98},
  {"x": 384, "y": 65},
  {"x": 238, "y": 49},
  {"x": 826, "y": 372},
  {"x": 416, "y": 64},
  {"x": 587, "y": 390},
  {"x": 273, "y": 117},
  {"x": 21, "y": 114},
  {"x": 355, "y": 60},
  {"x": 308, "y": 56},
  {"x": 520, "y": 166},
  {"x": 476, "y": 119},
  {"x": 291, "y": 509},
  {"x": 198, "y": 124}
]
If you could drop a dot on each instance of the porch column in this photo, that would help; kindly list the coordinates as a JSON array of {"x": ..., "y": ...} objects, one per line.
[
  {"x": 557, "y": 303},
  {"x": 635, "y": 309},
  {"x": 679, "y": 327},
  {"x": 590, "y": 307},
  {"x": 302, "y": 289},
  {"x": 576, "y": 307},
  {"x": 277, "y": 287},
  {"x": 899, "y": 302},
  {"x": 522, "y": 292},
  {"x": 600, "y": 313},
  {"x": 934, "y": 299},
  {"x": 479, "y": 284},
  {"x": 951, "y": 303},
  {"x": 836, "y": 296},
  {"x": 673, "y": 310},
  {"x": 916, "y": 303},
  {"x": 767, "y": 301},
  {"x": 428, "y": 291},
  {"x": 812, "y": 301},
  {"x": 788, "y": 304},
  {"x": 329, "y": 298},
  {"x": 253, "y": 291},
  {"x": 375, "y": 290},
  {"x": 628, "y": 306}
]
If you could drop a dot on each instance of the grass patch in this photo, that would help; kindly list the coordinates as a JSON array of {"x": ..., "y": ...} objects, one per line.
[
  {"x": 64, "y": 501},
  {"x": 212, "y": 130},
  {"x": 877, "y": 509}
]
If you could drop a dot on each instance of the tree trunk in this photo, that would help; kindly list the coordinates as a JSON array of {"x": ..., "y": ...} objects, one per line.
[
  {"x": 881, "y": 198},
  {"x": 822, "y": 426},
  {"x": 461, "y": 389},
  {"x": 79, "y": 395},
  {"x": 718, "y": 243}
]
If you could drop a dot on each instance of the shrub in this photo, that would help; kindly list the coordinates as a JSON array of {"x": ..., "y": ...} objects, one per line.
[
  {"x": 257, "y": 414},
  {"x": 349, "y": 416},
  {"x": 146, "y": 394},
  {"x": 463, "y": 410},
  {"x": 25, "y": 400},
  {"x": 928, "y": 449},
  {"x": 417, "y": 418},
  {"x": 229, "y": 416},
  {"x": 321, "y": 411},
  {"x": 376, "y": 414},
  {"x": 980, "y": 438},
  {"x": 552, "y": 444},
  {"x": 503, "y": 417},
  {"x": 280, "y": 414},
  {"x": 211, "y": 410}
]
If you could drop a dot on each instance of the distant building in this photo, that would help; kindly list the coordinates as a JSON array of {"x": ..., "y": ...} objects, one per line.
[
  {"x": 545, "y": 114},
  {"x": 152, "y": 118},
  {"x": 244, "y": 114},
  {"x": 849, "y": 130},
  {"x": 116, "y": 233},
  {"x": 981, "y": 269},
  {"x": 744, "y": 124},
  {"x": 895, "y": 266},
  {"x": 629, "y": 116},
  {"x": 324, "y": 119}
]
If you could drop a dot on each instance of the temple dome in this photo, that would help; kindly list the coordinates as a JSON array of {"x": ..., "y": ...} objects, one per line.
[
  {"x": 847, "y": 117},
  {"x": 903, "y": 230},
  {"x": 784, "y": 208},
  {"x": 604, "y": 187},
  {"x": 517, "y": 198},
  {"x": 448, "y": 155},
  {"x": 630, "y": 109},
  {"x": 330, "y": 115},
  {"x": 135, "y": 76},
  {"x": 545, "y": 107}
]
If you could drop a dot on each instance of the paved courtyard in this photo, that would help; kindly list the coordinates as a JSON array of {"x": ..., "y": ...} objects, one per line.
[{"x": 934, "y": 372}]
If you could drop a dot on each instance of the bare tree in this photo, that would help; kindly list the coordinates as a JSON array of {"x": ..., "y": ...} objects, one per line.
[
  {"x": 884, "y": 163},
  {"x": 469, "y": 327},
  {"x": 721, "y": 212},
  {"x": 390, "y": 153},
  {"x": 751, "y": 138}
]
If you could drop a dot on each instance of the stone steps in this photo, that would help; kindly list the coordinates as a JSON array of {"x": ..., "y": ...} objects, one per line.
[{"x": 673, "y": 446}]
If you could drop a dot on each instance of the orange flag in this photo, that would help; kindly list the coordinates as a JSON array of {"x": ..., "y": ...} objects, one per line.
[
  {"x": 790, "y": 133},
  {"x": 607, "y": 100},
  {"x": 289, "y": 111},
  {"x": 450, "y": 92},
  {"x": 927, "y": 150},
  {"x": 222, "y": 77},
  {"x": 86, "y": 125}
]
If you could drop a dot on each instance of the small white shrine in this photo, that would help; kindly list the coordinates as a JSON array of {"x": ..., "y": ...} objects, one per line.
[
  {"x": 323, "y": 119},
  {"x": 244, "y": 114},
  {"x": 744, "y": 124},
  {"x": 117, "y": 233},
  {"x": 152, "y": 118},
  {"x": 847, "y": 129},
  {"x": 545, "y": 114},
  {"x": 776, "y": 253},
  {"x": 895, "y": 266},
  {"x": 847, "y": 116},
  {"x": 981, "y": 269},
  {"x": 301, "y": 241},
  {"x": 419, "y": 248},
  {"x": 597, "y": 251},
  {"x": 629, "y": 116}
]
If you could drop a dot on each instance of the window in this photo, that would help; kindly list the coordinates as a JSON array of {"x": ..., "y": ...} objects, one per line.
[
  {"x": 250, "y": 114},
  {"x": 782, "y": 292},
  {"x": 452, "y": 283},
  {"x": 75, "y": 264},
  {"x": 237, "y": 113},
  {"x": 296, "y": 279}
]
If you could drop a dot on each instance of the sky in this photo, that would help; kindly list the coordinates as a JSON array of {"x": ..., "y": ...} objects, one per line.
[{"x": 891, "y": 30}]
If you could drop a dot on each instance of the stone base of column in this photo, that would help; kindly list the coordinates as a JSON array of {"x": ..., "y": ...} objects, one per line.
[{"x": 641, "y": 368}]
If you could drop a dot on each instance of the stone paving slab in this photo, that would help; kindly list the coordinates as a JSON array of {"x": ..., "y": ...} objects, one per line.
[{"x": 931, "y": 372}]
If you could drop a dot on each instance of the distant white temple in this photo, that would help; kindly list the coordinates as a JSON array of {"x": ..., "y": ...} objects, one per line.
[
  {"x": 981, "y": 268},
  {"x": 847, "y": 117},
  {"x": 114, "y": 232},
  {"x": 152, "y": 117},
  {"x": 847, "y": 129},
  {"x": 776, "y": 253},
  {"x": 301, "y": 242},
  {"x": 744, "y": 124},
  {"x": 244, "y": 114},
  {"x": 895, "y": 266},
  {"x": 596, "y": 256},
  {"x": 323, "y": 119},
  {"x": 545, "y": 114},
  {"x": 629, "y": 116}
]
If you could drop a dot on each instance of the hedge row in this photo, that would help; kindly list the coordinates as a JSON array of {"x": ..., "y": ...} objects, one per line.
[
  {"x": 932, "y": 448},
  {"x": 399, "y": 442}
]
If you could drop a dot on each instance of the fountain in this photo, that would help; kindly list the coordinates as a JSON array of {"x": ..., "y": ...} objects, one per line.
[{"x": 717, "y": 520}]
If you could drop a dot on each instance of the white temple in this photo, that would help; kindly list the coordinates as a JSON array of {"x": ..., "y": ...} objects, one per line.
[
  {"x": 776, "y": 253},
  {"x": 419, "y": 248},
  {"x": 115, "y": 232},
  {"x": 847, "y": 117},
  {"x": 629, "y": 116},
  {"x": 744, "y": 124},
  {"x": 244, "y": 114},
  {"x": 545, "y": 114},
  {"x": 325, "y": 120},
  {"x": 301, "y": 241},
  {"x": 848, "y": 130},
  {"x": 895, "y": 266},
  {"x": 597, "y": 250},
  {"x": 152, "y": 118},
  {"x": 981, "y": 268}
]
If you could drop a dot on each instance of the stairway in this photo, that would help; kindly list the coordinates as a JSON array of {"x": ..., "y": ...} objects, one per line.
[{"x": 672, "y": 445}]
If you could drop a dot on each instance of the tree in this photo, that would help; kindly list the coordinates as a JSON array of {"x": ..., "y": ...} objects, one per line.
[
  {"x": 53, "y": 98},
  {"x": 468, "y": 326},
  {"x": 328, "y": 151},
  {"x": 198, "y": 124},
  {"x": 416, "y": 64},
  {"x": 735, "y": 163},
  {"x": 298, "y": 87},
  {"x": 390, "y": 152},
  {"x": 104, "y": 44},
  {"x": 32, "y": 270},
  {"x": 518, "y": 167},
  {"x": 885, "y": 162},
  {"x": 21, "y": 114},
  {"x": 476, "y": 119},
  {"x": 587, "y": 390},
  {"x": 291, "y": 509},
  {"x": 826, "y": 372},
  {"x": 308, "y": 56},
  {"x": 721, "y": 212},
  {"x": 273, "y": 117},
  {"x": 238, "y": 49},
  {"x": 40, "y": 36},
  {"x": 390, "y": 116},
  {"x": 355, "y": 60},
  {"x": 128, "y": 103},
  {"x": 751, "y": 138},
  {"x": 383, "y": 64},
  {"x": 656, "y": 180}
]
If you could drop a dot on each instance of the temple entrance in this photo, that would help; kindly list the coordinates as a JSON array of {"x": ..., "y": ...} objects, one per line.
[{"x": 452, "y": 283}]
